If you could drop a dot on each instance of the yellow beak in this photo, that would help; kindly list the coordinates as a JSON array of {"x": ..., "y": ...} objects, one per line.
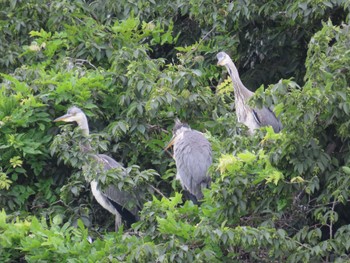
[
  {"x": 171, "y": 143},
  {"x": 220, "y": 63},
  {"x": 62, "y": 118}
]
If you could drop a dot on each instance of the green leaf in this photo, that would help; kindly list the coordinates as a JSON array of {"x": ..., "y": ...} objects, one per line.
[{"x": 346, "y": 169}]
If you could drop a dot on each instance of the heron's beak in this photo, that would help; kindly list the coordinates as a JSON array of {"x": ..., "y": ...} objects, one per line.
[
  {"x": 63, "y": 118},
  {"x": 171, "y": 143},
  {"x": 221, "y": 62}
]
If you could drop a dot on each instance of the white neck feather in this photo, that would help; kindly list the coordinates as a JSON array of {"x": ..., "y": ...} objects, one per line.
[
  {"x": 83, "y": 124},
  {"x": 241, "y": 92}
]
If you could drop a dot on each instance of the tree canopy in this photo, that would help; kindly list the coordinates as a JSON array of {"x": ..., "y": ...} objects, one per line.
[{"x": 133, "y": 66}]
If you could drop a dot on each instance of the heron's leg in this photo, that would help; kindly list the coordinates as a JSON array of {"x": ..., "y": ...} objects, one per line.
[{"x": 118, "y": 221}]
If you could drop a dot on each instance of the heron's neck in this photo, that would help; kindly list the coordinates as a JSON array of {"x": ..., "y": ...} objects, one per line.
[
  {"x": 240, "y": 90},
  {"x": 84, "y": 126}
]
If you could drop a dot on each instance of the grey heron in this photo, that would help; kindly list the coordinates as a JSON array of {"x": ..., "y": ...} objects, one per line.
[
  {"x": 193, "y": 156},
  {"x": 112, "y": 199},
  {"x": 253, "y": 118}
]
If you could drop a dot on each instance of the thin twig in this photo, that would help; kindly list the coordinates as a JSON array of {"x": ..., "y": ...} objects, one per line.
[
  {"x": 331, "y": 222},
  {"x": 157, "y": 190},
  {"x": 205, "y": 36},
  {"x": 80, "y": 61},
  {"x": 157, "y": 127},
  {"x": 299, "y": 243},
  {"x": 200, "y": 42},
  {"x": 169, "y": 153}
]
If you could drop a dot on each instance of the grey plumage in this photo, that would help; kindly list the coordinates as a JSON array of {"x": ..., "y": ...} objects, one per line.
[
  {"x": 253, "y": 118},
  {"x": 117, "y": 198},
  {"x": 193, "y": 156},
  {"x": 111, "y": 198}
]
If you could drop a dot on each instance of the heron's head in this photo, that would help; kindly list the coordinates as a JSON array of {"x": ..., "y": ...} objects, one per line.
[
  {"x": 223, "y": 59},
  {"x": 74, "y": 114},
  {"x": 179, "y": 127}
]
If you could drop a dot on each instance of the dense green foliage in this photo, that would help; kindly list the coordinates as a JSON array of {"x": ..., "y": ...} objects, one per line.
[{"x": 133, "y": 66}]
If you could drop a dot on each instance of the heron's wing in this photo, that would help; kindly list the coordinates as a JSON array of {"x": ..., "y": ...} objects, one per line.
[
  {"x": 108, "y": 162},
  {"x": 118, "y": 197},
  {"x": 266, "y": 117},
  {"x": 193, "y": 156}
]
